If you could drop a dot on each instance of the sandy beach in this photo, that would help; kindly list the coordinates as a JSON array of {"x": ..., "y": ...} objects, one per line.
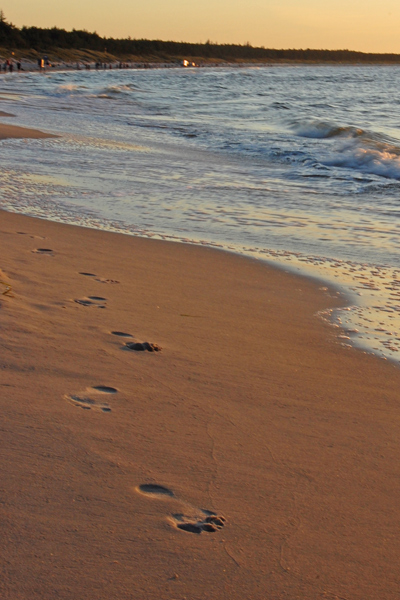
[
  {"x": 177, "y": 423},
  {"x": 15, "y": 132},
  {"x": 268, "y": 453}
]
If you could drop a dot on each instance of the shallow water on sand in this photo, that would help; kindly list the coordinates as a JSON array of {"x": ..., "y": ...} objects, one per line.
[{"x": 296, "y": 165}]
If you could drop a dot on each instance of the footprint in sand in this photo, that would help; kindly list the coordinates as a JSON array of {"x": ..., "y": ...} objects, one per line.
[
  {"x": 96, "y": 301},
  {"x": 85, "y": 399},
  {"x": 5, "y": 289},
  {"x": 192, "y": 520},
  {"x": 137, "y": 346},
  {"x": 100, "y": 279},
  {"x": 33, "y": 237},
  {"x": 211, "y": 523},
  {"x": 143, "y": 346}
]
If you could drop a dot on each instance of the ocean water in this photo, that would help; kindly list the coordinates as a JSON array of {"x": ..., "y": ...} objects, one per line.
[{"x": 298, "y": 165}]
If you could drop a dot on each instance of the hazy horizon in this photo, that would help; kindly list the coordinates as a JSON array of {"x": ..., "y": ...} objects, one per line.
[{"x": 362, "y": 26}]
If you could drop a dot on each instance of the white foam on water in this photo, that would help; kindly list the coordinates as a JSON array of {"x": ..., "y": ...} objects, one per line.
[
  {"x": 69, "y": 87},
  {"x": 384, "y": 163}
]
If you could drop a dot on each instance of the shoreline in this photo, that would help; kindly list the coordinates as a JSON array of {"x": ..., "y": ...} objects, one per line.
[
  {"x": 339, "y": 317},
  {"x": 86, "y": 62},
  {"x": 357, "y": 330},
  {"x": 336, "y": 318},
  {"x": 251, "y": 414}
]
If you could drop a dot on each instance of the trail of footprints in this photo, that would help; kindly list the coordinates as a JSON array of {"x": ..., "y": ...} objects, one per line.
[
  {"x": 85, "y": 399},
  {"x": 192, "y": 520},
  {"x": 101, "y": 302}
]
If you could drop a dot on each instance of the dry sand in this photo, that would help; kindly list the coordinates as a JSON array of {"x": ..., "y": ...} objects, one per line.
[{"x": 261, "y": 428}]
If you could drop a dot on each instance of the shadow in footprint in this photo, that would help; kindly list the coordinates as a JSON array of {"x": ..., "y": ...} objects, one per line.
[
  {"x": 193, "y": 520},
  {"x": 152, "y": 489},
  {"x": 47, "y": 251},
  {"x": 190, "y": 527},
  {"x": 87, "y": 274},
  {"x": 143, "y": 346},
  {"x": 105, "y": 389},
  {"x": 121, "y": 334}
]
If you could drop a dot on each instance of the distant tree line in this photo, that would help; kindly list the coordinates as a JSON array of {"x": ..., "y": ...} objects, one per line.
[{"x": 45, "y": 40}]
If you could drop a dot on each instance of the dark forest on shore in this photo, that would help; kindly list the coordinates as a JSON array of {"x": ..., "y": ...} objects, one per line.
[{"x": 42, "y": 40}]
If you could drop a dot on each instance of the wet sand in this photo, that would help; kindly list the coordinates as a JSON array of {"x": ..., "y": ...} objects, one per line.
[
  {"x": 15, "y": 132},
  {"x": 178, "y": 423}
]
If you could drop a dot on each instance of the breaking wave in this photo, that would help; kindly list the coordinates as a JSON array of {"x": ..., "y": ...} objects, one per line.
[
  {"x": 323, "y": 129},
  {"x": 117, "y": 89},
  {"x": 367, "y": 160},
  {"x": 353, "y": 148},
  {"x": 69, "y": 88}
]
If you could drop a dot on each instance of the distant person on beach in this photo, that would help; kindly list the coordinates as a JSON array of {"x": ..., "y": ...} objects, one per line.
[{"x": 19, "y": 66}]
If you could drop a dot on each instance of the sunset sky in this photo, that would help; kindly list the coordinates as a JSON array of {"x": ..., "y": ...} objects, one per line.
[{"x": 366, "y": 25}]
